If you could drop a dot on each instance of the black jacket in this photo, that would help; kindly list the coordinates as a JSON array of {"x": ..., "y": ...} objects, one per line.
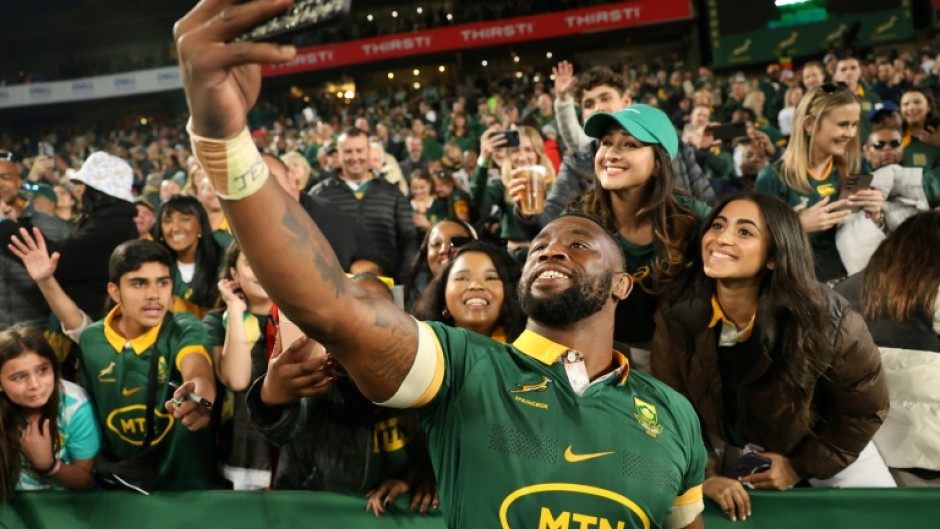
[
  {"x": 343, "y": 231},
  {"x": 385, "y": 215},
  {"x": 84, "y": 255}
]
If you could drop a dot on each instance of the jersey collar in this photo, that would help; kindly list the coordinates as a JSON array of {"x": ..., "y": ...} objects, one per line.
[
  {"x": 536, "y": 346},
  {"x": 139, "y": 344},
  {"x": 718, "y": 316}
]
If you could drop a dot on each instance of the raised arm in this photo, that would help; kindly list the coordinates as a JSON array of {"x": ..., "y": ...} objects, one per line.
[
  {"x": 375, "y": 340},
  {"x": 41, "y": 267}
]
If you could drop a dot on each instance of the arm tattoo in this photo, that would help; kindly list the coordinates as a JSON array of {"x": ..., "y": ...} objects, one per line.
[{"x": 329, "y": 270}]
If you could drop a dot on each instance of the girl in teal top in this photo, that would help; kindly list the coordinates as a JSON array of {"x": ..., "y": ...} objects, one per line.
[{"x": 823, "y": 150}]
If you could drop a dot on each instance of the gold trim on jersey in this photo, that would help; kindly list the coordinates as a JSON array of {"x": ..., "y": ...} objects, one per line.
[
  {"x": 690, "y": 496},
  {"x": 139, "y": 344}
]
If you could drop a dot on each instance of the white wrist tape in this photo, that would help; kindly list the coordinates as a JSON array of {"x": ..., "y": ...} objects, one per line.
[{"x": 234, "y": 165}]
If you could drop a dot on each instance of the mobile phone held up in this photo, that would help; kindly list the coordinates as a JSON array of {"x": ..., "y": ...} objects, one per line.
[
  {"x": 512, "y": 137},
  {"x": 853, "y": 183},
  {"x": 302, "y": 15},
  {"x": 730, "y": 131}
]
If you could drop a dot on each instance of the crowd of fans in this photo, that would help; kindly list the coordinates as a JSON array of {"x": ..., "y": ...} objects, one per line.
[{"x": 723, "y": 224}]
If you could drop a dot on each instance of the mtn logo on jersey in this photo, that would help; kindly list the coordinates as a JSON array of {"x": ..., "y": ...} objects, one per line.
[
  {"x": 130, "y": 424},
  {"x": 647, "y": 417},
  {"x": 541, "y": 385},
  {"x": 570, "y": 506}
]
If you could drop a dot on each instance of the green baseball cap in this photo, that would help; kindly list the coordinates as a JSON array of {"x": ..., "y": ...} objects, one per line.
[{"x": 643, "y": 122}]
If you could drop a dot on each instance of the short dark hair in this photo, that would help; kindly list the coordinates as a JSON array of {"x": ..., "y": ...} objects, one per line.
[
  {"x": 351, "y": 132},
  {"x": 597, "y": 76},
  {"x": 133, "y": 254}
]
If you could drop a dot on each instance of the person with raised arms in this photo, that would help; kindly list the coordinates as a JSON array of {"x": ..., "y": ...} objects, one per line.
[{"x": 553, "y": 427}]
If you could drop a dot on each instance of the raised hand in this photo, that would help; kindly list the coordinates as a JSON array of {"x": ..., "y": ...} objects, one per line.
[
  {"x": 222, "y": 79},
  {"x": 824, "y": 215},
  {"x": 35, "y": 256},
  {"x": 564, "y": 78},
  {"x": 228, "y": 291}
]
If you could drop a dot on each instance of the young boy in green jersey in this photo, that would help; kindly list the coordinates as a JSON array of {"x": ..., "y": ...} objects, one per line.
[{"x": 116, "y": 359}]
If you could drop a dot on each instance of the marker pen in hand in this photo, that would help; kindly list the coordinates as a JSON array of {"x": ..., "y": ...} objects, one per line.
[{"x": 193, "y": 396}]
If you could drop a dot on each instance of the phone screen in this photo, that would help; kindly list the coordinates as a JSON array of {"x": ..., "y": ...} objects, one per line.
[{"x": 852, "y": 184}]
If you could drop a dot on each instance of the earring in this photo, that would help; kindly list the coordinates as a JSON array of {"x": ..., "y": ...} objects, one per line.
[
  {"x": 199, "y": 236},
  {"x": 445, "y": 313}
]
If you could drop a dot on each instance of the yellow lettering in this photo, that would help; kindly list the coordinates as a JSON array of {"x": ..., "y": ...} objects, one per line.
[
  {"x": 547, "y": 521},
  {"x": 534, "y": 404},
  {"x": 605, "y": 524},
  {"x": 127, "y": 425},
  {"x": 585, "y": 520}
]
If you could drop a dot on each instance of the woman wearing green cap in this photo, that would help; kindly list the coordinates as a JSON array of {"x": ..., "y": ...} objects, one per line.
[{"x": 634, "y": 196}]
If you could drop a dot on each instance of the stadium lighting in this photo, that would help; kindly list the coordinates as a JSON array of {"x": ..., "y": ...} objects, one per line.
[
  {"x": 518, "y": 75},
  {"x": 548, "y": 55},
  {"x": 143, "y": 121},
  {"x": 394, "y": 14},
  {"x": 391, "y": 75},
  {"x": 339, "y": 95},
  {"x": 369, "y": 17},
  {"x": 450, "y": 16},
  {"x": 441, "y": 68},
  {"x": 515, "y": 59},
  {"x": 782, "y": 3},
  {"x": 417, "y": 85},
  {"x": 537, "y": 79},
  {"x": 416, "y": 72},
  {"x": 420, "y": 10},
  {"x": 484, "y": 63}
]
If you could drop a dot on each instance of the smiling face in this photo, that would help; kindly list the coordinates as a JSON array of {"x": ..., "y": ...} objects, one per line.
[
  {"x": 474, "y": 293},
  {"x": 181, "y": 231},
  {"x": 623, "y": 162},
  {"x": 602, "y": 98},
  {"x": 735, "y": 246},
  {"x": 354, "y": 158},
  {"x": 884, "y": 147},
  {"x": 28, "y": 380},
  {"x": 439, "y": 249},
  {"x": 10, "y": 182},
  {"x": 145, "y": 295},
  {"x": 813, "y": 76},
  {"x": 836, "y": 130},
  {"x": 573, "y": 271},
  {"x": 524, "y": 154},
  {"x": 914, "y": 108},
  {"x": 420, "y": 188}
]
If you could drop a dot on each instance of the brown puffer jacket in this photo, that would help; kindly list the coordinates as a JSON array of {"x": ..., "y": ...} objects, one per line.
[{"x": 849, "y": 401}]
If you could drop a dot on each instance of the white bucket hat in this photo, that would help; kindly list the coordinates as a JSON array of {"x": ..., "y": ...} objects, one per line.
[{"x": 107, "y": 173}]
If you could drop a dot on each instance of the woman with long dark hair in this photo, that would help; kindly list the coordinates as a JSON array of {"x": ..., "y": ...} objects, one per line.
[
  {"x": 634, "y": 197},
  {"x": 183, "y": 227},
  {"x": 921, "y": 129},
  {"x": 476, "y": 290},
  {"x": 781, "y": 371},
  {"x": 898, "y": 292},
  {"x": 48, "y": 433}
]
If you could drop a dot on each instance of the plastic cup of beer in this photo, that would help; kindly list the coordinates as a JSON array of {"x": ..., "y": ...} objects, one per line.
[{"x": 533, "y": 198}]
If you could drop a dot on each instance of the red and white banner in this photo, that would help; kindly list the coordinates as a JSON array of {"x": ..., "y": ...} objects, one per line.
[{"x": 550, "y": 25}]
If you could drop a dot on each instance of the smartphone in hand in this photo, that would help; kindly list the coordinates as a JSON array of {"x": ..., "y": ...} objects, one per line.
[
  {"x": 853, "y": 183},
  {"x": 302, "y": 15},
  {"x": 751, "y": 463},
  {"x": 512, "y": 137}
]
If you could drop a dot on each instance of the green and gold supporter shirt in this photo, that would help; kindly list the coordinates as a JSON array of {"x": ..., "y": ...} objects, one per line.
[
  {"x": 514, "y": 445},
  {"x": 825, "y": 185},
  {"x": 918, "y": 153},
  {"x": 114, "y": 372}
]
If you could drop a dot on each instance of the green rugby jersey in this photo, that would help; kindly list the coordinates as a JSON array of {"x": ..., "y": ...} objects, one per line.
[
  {"x": 769, "y": 182},
  {"x": 114, "y": 372},
  {"x": 514, "y": 446}
]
